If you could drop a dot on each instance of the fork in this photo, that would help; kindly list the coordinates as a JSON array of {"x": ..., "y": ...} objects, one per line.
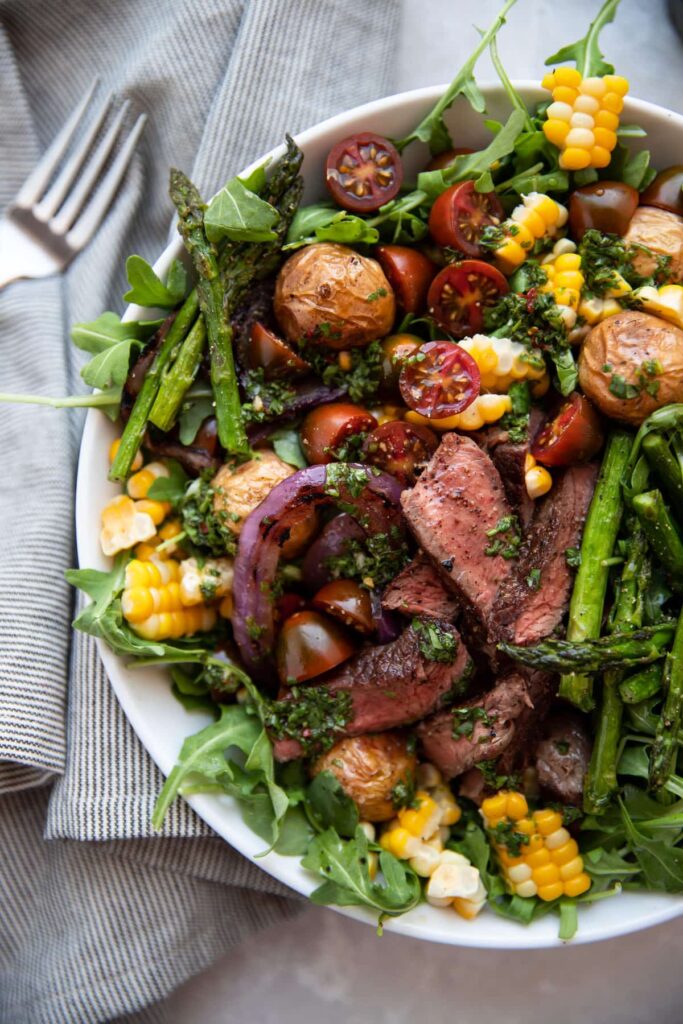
[{"x": 58, "y": 208}]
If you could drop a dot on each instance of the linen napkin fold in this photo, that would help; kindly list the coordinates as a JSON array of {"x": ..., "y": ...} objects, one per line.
[{"x": 90, "y": 931}]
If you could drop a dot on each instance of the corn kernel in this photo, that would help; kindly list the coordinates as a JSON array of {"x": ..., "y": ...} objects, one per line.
[
  {"x": 113, "y": 450},
  {"x": 425, "y": 862},
  {"x": 593, "y": 87},
  {"x": 571, "y": 869},
  {"x": 605, "y": 138},
  {"x": 574, "y": 159},
  {"x": 527, "y": 889},
  {"x": 613, "y": 102},
  {"x": 617, "y": 84},
  {"x": 519, "y": 873},
  {"x": 516, "y": 806},
  {"x": 494, "y": 806},
  {"x": 600, "y": 157},
  {"x": 546, "y": 874},
  {"x": 139, "y": 483},
  {"x": 607, "y": 119},
  {"x": 547, "y": 821},
  {"x": 428, "y": 776},
  {"x": 345, "y": 362},
  {"x": 538, "y": 482},
  {"x": 553, "y": 891},
  {"x": 563, "y": 854},
  {"x": 538, "y": 859},
  {"x": 556, "y": 131},
  {"x": 226, "y": 607},
  {"x": 578, "y": 885},
  {"x": 156, "y": 510},
  {"x": 557, "y": 839},
  {"x": 565, "y": 94},
  {"x": 524, "y": 826},
  {"x": 422, "y": 821},
  {"x": 124, "y": 526},
  {"x": 586, "y": 104}
]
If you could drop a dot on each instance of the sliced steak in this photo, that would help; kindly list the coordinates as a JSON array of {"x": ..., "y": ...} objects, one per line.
[
  {"x": 391, "y": 686},
  {"x": 419, "y": 590},
  {"x": 509, "y": 458},
  {"x": 495, "y": 720},
  {"x": 458, "y": 498},
  {"x": 533, "y": 599},
  {"x": 563, "y": 755}
]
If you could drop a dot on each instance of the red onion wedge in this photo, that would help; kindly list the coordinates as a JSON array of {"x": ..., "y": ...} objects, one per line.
[
  {"x": 331, "y": 543},
  {"x": 371, "y": 497}
]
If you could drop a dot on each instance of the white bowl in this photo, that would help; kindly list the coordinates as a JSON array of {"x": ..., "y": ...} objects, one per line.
[{"x": 145, "y": 695}]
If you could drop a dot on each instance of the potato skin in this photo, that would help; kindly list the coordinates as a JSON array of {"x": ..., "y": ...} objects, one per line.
[
  {"x": 661, "y": 231},
  {"x": 239, "y": 490},
  {"x": 625, "y": 341},
  {"x": 331, "y": 284},
  {"x": 368, "y": 768}
]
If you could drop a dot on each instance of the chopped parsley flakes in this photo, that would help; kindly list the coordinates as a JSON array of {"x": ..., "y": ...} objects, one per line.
[
  {"x": 361, "y": 382},
  {"x": 508, "y": 538},
  {"x": 372, "y": 561},
  {"x": 434, "y": 642},
  {"x": 204, "y": 525},
  {"x": 465, "y": 719},
  {"x": 313, "y": 716}
]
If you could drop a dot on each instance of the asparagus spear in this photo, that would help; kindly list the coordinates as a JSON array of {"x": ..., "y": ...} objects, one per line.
[
  {"x": 662, "y": 534},
  {"x": 619, "y": 650},
  {"x": 665, "y": 746},
  {"x": 590, "y": 586},
  {"x": 664, "y": 464},
  {"x": 134, "y": 430},
  {"x": 179, "y": 378},
  {"x": 601, "y": 778},
  {"x": 641, "y": 685}
]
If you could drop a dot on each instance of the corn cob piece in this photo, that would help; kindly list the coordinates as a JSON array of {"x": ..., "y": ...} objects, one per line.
[
  {"x": 537, "y": 217},
  {"x": 124, "y": 525},
  {"x": 204, "y": 583},
  {"x": 161, "y": 545},
  {"x": 595, "y": 310},
  {"x": 537, "y": 855},
  {"x": 502, "y": 362},
  {"x": 583, "y": 119},
  {"x": 665, "y": 302},
  {"x": 484, "y": 409},
  {"x": 537, "y": 479},
  {"x": 152, "y": 603}
]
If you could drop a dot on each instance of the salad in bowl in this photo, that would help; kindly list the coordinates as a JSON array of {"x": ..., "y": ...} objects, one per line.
[{"x": 399, "y": 479}]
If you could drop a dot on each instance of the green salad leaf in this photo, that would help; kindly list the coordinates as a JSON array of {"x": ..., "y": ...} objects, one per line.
[
  {"x": 172, "y": 487},
  {"x": 331, "y": 806},
  {"x": 287, "y": 446},
  {"x": 586, "y": 52},
  {"x": 193, "y": 412},
  {"x": 241, "y": 215},
  {"x": 324, "y": 222},
  {"x": 111, "y": 344},
  {"x": 147, "y": 288}
]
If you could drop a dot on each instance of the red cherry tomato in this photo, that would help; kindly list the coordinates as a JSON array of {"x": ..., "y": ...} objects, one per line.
[
  {"x": 437, "y": 163},
  {"x": 396, "y": 348},
  {"x": 460, "y": 214},
  {"x": 400, "y": 448},
  {"x": 347, "y": 601},
  {"x": 326, "y": 428},
  {"x": 363, "y": 172},
  {"x": 409, "y": 273},
  {"x": 459, "y": 294},
  {"x": 207, "y": 436},
  {"x": 573, "y": 435},
  {"x": 288, "y": 604},
  {"x": 310, "y": 644},
  {"x": 665, "y": 191},
  {"x": 273, "y": 354},
  {"x": 441, "y": 380},
  {"x": 606, "y": 206}
]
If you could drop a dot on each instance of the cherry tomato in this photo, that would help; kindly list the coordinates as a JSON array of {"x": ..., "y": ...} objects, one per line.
[
  {"x": 288, "y": 604},
  {"x": 460, "y": 214},
  {"x": 459, "y": 294},
  {"x": 605, "y": 205},
  {"x": 401, "y": 449},
  {"x": 409, "y": 273},
  {"x": 273, "y": 354},
  {"x": 437, "y": 163},
  {"x": 327, "y": 427},
  {"x": 441, "y": 380},
  {"x": 573, "y": 435},
  {"x": 665, "y": 191},
  {"x": 347, "y": 601},
  {"x": 396, "y": 348},
  {"x": 207, "y": 436},
  {"x": 363, "y": 172},
  {"x": 310, "y": 644}
]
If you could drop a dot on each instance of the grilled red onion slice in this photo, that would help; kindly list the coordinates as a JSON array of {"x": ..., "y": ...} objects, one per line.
[
  {"x": 375, "y": 507},
  {"x": 331, "y": 543}
]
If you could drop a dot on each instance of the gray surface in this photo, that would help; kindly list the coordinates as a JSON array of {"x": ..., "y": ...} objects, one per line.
[{"x": 325, "y": 968}]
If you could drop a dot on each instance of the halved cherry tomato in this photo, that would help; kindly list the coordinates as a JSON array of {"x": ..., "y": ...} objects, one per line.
[
  {"x": 441, "y": 160},
  {"x": 665, "y": 191},
  {"x": 207, "y": 436},
  {"x": 606, "y": 206},
  {"x": 441, "y": 380},
  {"x": 363, "y": 172},
  {"x": 347, "y": 601},
  {"x": 460, "y": 293},
  {"x": 400, "y": 448},
  {"x": 573, "y": 435},
  {"x": 327, "y": 427},
  {"x": 460, "y": 214},
  {"x": 310, "y": 644},
  {"x": 396, "y": 348},
  {"x": 273, "y": 354},
  {"x": 288, "y": 604},
  {"x": 409, "y": 273}
]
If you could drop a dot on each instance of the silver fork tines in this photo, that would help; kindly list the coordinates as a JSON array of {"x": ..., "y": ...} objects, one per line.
[{"x": 64, "y": 199}]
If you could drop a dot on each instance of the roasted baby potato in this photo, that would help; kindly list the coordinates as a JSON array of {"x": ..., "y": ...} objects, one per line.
[
  {"x": 631, "y": 364},
  {"x": 329, "y": 295},
  {"x": 368, "y": 768},
  {"x": 662, "y": 232},
  {"x": 239, "y": 489}
]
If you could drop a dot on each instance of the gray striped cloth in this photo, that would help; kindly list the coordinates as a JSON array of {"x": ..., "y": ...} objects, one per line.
[{"x": 93, "y": 930}]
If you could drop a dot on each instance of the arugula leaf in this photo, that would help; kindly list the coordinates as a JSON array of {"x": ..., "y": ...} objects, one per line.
[
  {"x": 586, "y": 52},
  {"x": 344, "y": 866},
  {"x": 107, "y": 400},
  {"x": 296, "y": 833},
  {"x": 170, "y": 488},
  {"x": 637, "y": 171},
  {"x": 661, "y": 862},
  {"x": 323, "y": 222},
  {"x": 432, "y": 129},
  {"x": 192, "y": 415},
  {"x": 147, "y": 289},
  {"x": 514, "y": 97},
  {"x": 110, "y": 342},
  {"x": 287, "y": 446},
  {"x": 239, "y": 214},
  {"x": 331, "y": 805}
]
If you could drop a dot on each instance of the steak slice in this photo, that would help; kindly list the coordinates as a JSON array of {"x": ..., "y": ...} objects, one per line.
[
  {"x": 494, "y": 730},
  {"x": 391, "y": 686},
  {"x": 458, "y": 498},
  {"x": 533, "y": 599},
  {"x": 563, "y": 755},
  {"x": 509, "y": 458},
  {"x": 418, "y": 590}
]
